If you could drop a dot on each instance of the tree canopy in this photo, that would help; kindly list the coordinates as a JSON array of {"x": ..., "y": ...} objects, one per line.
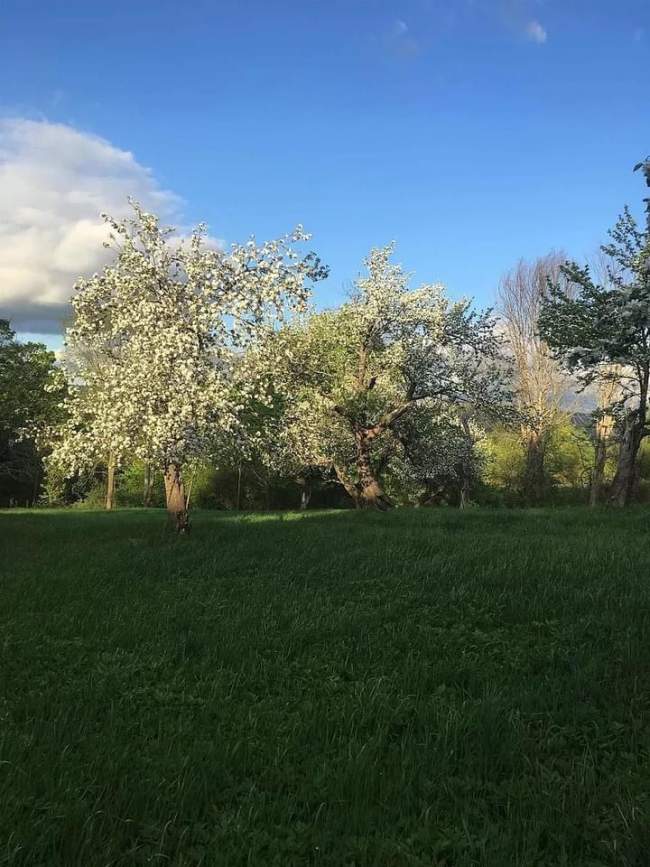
[
  {"x": 157, "y": 333},
  {"x": 357, "y": 373},
  {"x": 31, "y": 391}
]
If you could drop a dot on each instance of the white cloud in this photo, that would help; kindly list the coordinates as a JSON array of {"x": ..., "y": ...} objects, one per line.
[
  {"x": 535, "y": 32},
  {"x": 520, "y": 19},
  {"x": 397, "y": 40},
  {"x": 400, "y": 27},
  {"x": 55, "y": 181}
]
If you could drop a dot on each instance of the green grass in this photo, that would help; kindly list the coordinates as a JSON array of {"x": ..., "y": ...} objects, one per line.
[{"x": 420, "y": 688}]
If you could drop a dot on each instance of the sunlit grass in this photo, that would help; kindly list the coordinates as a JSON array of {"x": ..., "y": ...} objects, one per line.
[{"x": 334, "y": 688}]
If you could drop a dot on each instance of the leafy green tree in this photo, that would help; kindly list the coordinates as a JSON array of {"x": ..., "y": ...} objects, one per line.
[
  {"x": 541, "y": 385},
  {"x": 602, "y": 330},
  {"x": 505, "y": 462},
  {"x": 570, "y": 457},
  {"x": 31, "y": 391}
]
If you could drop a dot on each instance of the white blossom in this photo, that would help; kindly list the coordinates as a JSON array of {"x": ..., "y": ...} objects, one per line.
[{"x": 156, "y": 339}]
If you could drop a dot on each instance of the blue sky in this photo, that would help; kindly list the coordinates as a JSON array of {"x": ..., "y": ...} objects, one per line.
[{"x": 472, "y": 132}]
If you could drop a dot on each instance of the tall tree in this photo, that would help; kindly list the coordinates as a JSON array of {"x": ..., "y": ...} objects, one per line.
[
  {"x": 354, "y": 373},
  {"x": 168, "y": 318},
  {"x": 31, "y": 391},
  {"x": 604, "y": 332},
  {"x": 541, "y": 384}
]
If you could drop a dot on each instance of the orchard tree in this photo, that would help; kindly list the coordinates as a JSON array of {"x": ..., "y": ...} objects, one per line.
[
  {"x": 601, "y": 331},
  {"x": 356, "y": 372},
  {"x": 88, "y": 439},
  {"x": 164, "y": 324},
  {"x": 442, "y": 455},
  {"x": 285, "y": 436}
]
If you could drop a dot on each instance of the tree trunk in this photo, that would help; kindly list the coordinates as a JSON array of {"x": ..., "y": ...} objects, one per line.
[
  {"x": 371, "y": 493},
  {"x": 149, "y": 478},
  {"x": 465, "y": 466},
  {"x": 625, "y": 478},
  {"x": 305, "y": 492},
  {"x": 598, "y": 473},
  {"x": 534, "y": 468},
  {"x": 175, "y": 497},
  {"x": 465, "y": 488},
  {"x": 110, "y": 484},
  {"x": 238, "y": 497},
  {"x": 604, "y": 428},
  {"x": 349, "y": 487},
  {"x": 37, "y": 486}
]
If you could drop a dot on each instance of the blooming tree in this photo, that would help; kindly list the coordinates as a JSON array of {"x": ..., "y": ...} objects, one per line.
[
  {"x": 442, "y": 452},
  {"x": 354, "y": 373},
  {"x": 283, "y": 435},
  {"x": 164, "y": 325}
]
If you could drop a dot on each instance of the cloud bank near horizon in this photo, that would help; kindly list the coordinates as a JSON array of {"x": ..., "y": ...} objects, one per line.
[{"x": 56, "y": 181}]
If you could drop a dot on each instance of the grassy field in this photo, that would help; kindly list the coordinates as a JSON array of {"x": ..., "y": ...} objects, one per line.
[{"x": 421, "y": 688}]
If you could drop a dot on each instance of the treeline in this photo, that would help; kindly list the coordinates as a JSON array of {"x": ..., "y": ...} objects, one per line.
[
  {"x": 569, "y": 464},
  {"x": 193, "y": 375}
]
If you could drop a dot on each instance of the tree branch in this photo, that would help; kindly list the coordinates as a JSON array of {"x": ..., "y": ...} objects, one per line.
[{"x": 388, "y": 419}]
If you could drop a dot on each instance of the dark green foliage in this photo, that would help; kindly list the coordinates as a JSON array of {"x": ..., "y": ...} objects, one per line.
[
  {"x": 228, "y": 488},
  {"x": 129, "y": 487},
  {"x": 25, "y": 408},
  {"x": 337, "y": 688}
]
